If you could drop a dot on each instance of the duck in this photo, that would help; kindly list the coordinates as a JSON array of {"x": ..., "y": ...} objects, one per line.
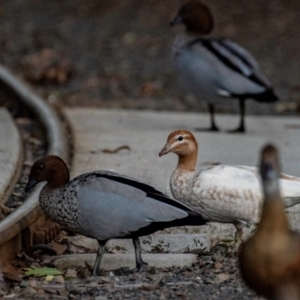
[
  {"x": 216, "y": 68},
  {"x": 105, "y": 205},
  {"x": 221, "y": 193},
  {"x": 270, "y": 260}
]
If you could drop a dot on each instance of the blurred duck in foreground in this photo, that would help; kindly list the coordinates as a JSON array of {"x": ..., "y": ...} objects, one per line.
[
  {"x": 216, "y": 67},
  {"x": 221, "y": 193},
  {"x": 105, "y": 205},
  {"x": 270, "y": 259}
]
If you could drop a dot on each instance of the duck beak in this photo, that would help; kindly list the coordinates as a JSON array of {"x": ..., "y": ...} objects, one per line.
[
  {"x": 177, "y": 20},
  {"x": 165, "y": 150},
  {"x": 30, "y": 184}
]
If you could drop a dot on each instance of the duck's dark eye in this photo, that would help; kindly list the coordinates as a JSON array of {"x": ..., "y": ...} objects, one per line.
[
  {"x": 180, "y": 138},
  {"x": 41, "y": 167}
]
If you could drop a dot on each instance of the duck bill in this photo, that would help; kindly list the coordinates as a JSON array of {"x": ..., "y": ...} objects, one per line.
[
  {"x": 30, "y": 184},
  {"x": 177, "y": 20},
  {"x": 165, "y": 150}
]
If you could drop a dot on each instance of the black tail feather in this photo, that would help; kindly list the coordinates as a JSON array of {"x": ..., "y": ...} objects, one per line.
[
  {"x": 267, "y": 96},
  {"x": 193, "y": 219}
]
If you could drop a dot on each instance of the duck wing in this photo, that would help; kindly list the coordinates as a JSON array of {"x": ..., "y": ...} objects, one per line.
[
  {"x": 115, "y": 206},
  {"x": 289, "y": 186},
  {"x": 236, "y": 58},
  {"x": 226, "y": 194}
]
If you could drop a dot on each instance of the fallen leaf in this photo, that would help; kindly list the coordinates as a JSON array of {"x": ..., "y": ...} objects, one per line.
[
  {"x": 148, "y": 287},
  {"x": 59, "y": 248},
  {"x": 39, "y": 272},
  {"x": 11, "y": 273}
]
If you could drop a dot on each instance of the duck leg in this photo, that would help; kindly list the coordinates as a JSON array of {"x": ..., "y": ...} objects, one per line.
[
  {"x": 241, "y": 128},
  {"x": 138, "y": 256},
  {"x": 213, "y": 126},
  {"x": 100, "y": 253}
]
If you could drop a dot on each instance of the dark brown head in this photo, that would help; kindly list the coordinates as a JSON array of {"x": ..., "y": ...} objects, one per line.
[
  {"x": 196, "y": 16},
  {"x": 49, "y": 168}
]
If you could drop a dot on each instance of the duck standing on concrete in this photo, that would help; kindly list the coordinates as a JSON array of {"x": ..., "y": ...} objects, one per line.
[
  {"x": 270, "y": 259},
  {"x": 105, "y": 205},
  {"x": 213, "y": 67},
  {"x": 221, "y": 193}
]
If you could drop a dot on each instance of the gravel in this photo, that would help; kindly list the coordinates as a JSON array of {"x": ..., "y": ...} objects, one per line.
[{"x": 215, "y": 275}]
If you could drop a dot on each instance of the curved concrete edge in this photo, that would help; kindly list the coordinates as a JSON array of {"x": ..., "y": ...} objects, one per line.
[
  {"x": 29, "y": 211},
  {"x": 23, "y": 216},
  {"x": 16, "y": 157},
  {"x": 46, "y": 114}
]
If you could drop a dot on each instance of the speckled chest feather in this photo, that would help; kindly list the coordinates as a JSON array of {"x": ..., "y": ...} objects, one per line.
[{"x": 61, "y": 206}]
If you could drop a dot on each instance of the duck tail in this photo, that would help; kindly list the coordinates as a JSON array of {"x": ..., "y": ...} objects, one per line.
[
  {"x": 267, "y": 96},
  {"x": 195, "y": 219}
]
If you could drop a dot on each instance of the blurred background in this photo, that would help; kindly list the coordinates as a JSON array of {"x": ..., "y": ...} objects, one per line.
[{"x": 116, "y": 53}]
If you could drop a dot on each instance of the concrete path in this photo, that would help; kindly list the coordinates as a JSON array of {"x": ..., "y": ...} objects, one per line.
[
  {"x": 145, "y": 133},
  {"x": 10, "y": 156}
]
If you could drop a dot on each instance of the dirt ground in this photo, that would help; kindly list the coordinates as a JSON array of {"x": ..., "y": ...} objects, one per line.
[{"x": 116, "y": 54}]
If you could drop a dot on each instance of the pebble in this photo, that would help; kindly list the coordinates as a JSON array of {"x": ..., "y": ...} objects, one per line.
[
  {"x": 59, "y": 279},
  {"x": 84, "y": 242},
  {"x": 24, "y": 284},
  {"x": 129, "y": 38},
  {"x": 63, "y": 293},
  {"x": 32, "y": 283},
  {"x": 10, "y": 296},
  {"x": 222, "y": 277},
  {"x": 71, "y": 273},
  {"x": 49, "y": 277},
  {"x": 28, "y": 292}
]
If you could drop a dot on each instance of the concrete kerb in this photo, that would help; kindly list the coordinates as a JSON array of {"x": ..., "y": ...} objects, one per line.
[
  {"x": 155, "y": 247},
  {"x": 117, "y": 261},
  {"x": 29, "y": 211},
  {"x": 11, "y": 156}
]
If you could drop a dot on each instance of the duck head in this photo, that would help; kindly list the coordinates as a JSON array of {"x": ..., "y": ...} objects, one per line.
[
  {"x": 269, "y": 165},
  {"x": 196, "y": 17},
  {"x": 49, "y": 168},
  {"x": 184, "y": 144},
  {"x": 270, "y": 169}
]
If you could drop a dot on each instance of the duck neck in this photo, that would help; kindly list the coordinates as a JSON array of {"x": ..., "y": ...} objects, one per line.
[
  {"x": 273, "y": 216},
  {"x": 187, "y": 162},
  {"x": 58, "y": 178},
  {"x": 189, "y": 36}
]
